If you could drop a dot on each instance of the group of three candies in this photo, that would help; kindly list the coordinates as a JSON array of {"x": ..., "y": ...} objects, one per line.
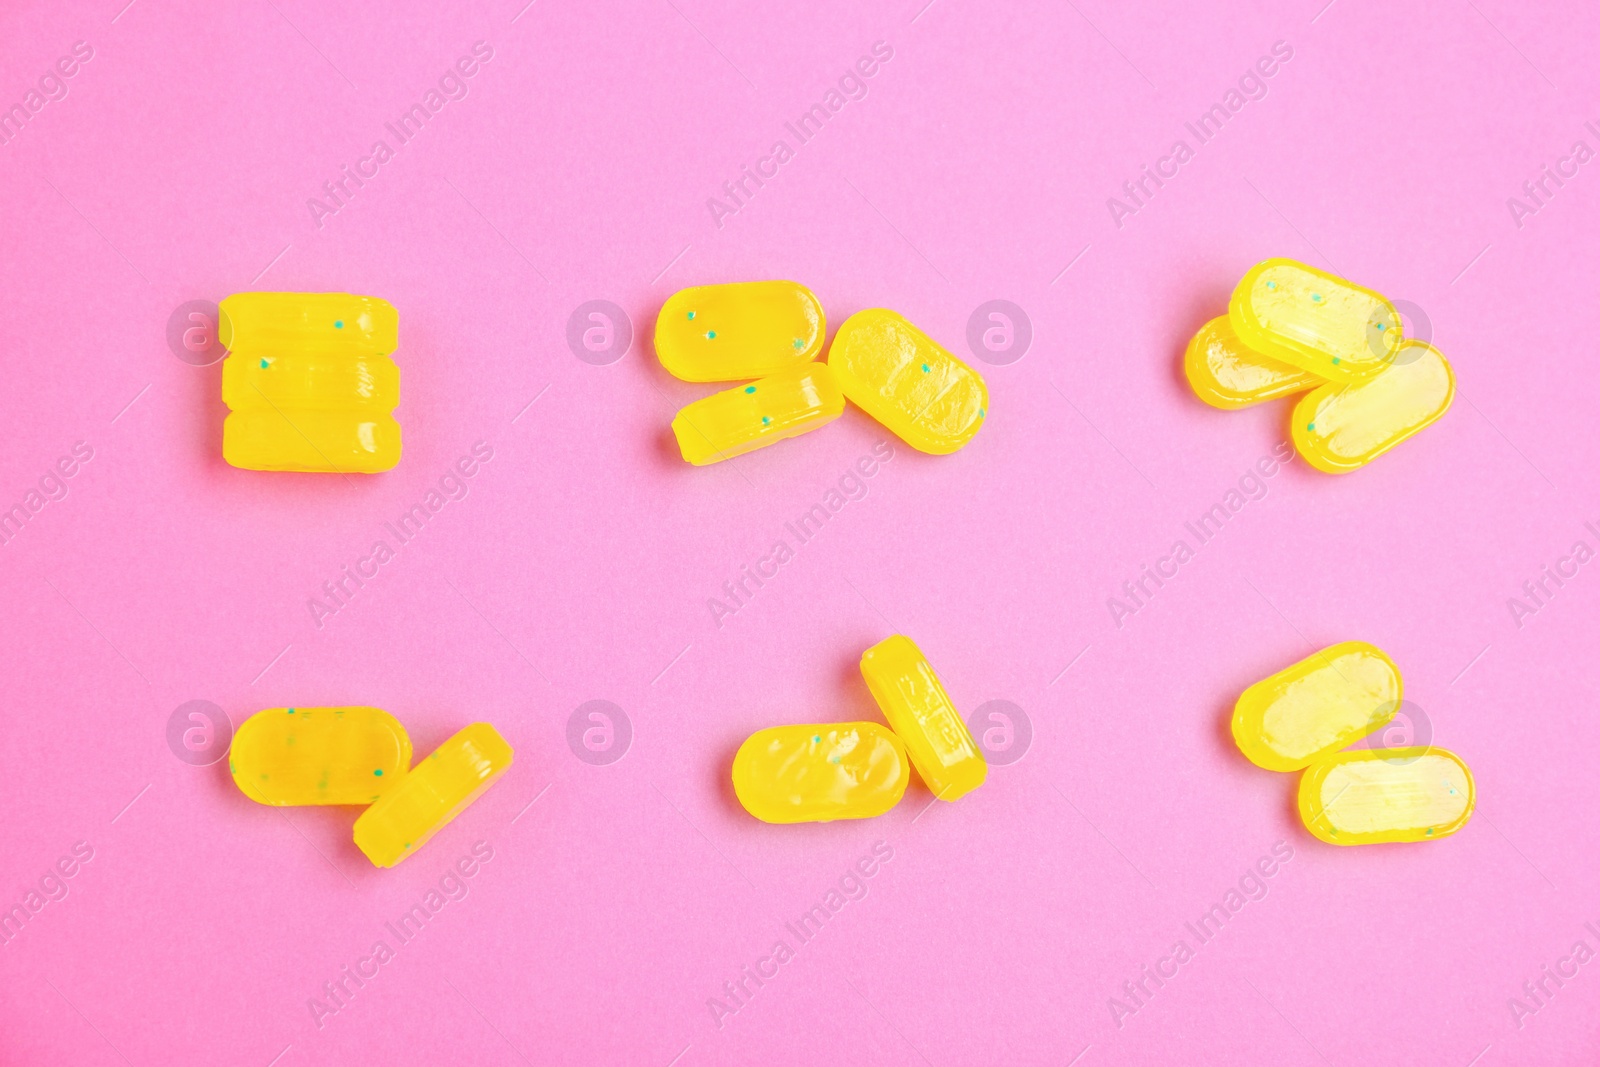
[{"x": 1292, "y": 328}]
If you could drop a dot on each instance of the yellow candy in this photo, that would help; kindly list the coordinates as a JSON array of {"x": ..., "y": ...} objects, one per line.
[
  {"x": 435, "y": 792},
  {"x": 1226, "y": 374},
  {"x": 1316, "y": 706},
  {"x": 722, "y": 333},
  {"x": 1403, "y": 794},
  {"x": 904, "y": 379},
  {"x": 920, "y": 712},
  {"x": 285, "y": 756},
  {"x": 748, "y": 417},
  {"x": 1314, "y": 320},
  {"x": 309, "y": 382},
  {"x": 1339, "y": 428},
  {"x": 850, "y": 770}
]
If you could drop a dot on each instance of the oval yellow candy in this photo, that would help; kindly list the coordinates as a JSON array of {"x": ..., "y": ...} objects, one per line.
[
  {"x": 1317, "y": 706},
  {"x": 1339, "y": 428},
  {"x": 275, "y": 324},
  {"x": 309, "y": 384},
  {"x": 1226, "y": 374},
  {"x": 722, "y": 333},
  {"x": 1314, "y": 320},
  {"x": 437, "y": 790},
  {"x": 911, "y": 697},
  {"x": 903, "y": 378},
  {"x": 748, "y": 417},
  {"x": 818, "y": 773},
  {"x": 285, "y": 756},
  {"x": 1371, "y": 797}
]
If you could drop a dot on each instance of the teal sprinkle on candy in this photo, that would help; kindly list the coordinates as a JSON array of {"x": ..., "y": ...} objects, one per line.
[
  {"x": 1311, "y": 427},
  {"x": 836, "y": 759},
  {"x": 379, "y": 772},
  {"x": 1272, "y": 285},
  {"x": 291, "y": 711},
  {"x": 799, "y": 343},
  {"x": 925, "y": 368},
  {"x": 1381, "y": 327},
  {"x": 691, "y": 314},
  {"x": 263, "y": 364},
  {"x": 1316, "y": 298},
  {"x": 816, "y": 739},
  {"x": 982, "y": 412},
  {"x": 338, "y": 324},
  {"x": 711, "y": 335},
  {"x": 1430, "y": 831},
  {"x": 1336, "y": 359},
  {"x": 765, "y": 420},
  {"x": 749, "y": 388}
]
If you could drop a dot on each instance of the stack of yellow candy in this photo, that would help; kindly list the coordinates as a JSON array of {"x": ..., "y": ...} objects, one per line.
[
  {"x": 774, "y": 332},
  {"x": 1292, "y": 328},
  {"x": 295, "y": 756},
  {"x": 1299, "y": 719},
  {"x": 855, "y": 770}
]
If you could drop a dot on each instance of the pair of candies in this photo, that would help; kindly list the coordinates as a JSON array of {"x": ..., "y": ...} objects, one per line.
[
  {"x": 774, "y": 332},
  {"x": 295, "y": 756},
  {"x": 855, "y": 770},
  {"x": 1292, "y": 328},
  {"x": 309, "y": 383},
  {"x": 1299, "y": 719}
]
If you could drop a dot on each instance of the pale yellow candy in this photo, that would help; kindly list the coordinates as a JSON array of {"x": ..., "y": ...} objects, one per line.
[
  {"x": 1315, "y": 320},
  {"x": 1225, "y": 373},
  {"x": 1317, "y": 706},
  {"x": 287, "y": 756},
  {"x": 903, "y": 378},
  {"x": 848, "y": 770},
  {"x": 1340, "y": 428},
  {"x": 1370, "y": 797}
]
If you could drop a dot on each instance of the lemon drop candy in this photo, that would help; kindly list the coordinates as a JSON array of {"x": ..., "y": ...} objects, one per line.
[
  {"x": 1226, "y": 374},
  {"x": 1371, "y": 797},
  {"x": 309, "y": 383},
  {"x": 919, "y": 710},
  {"x": 1340, "y": 428},
  {"x": 1316, "y": 706},
  {"x": 437, "y": 790},
  {"x": 724, "y": 333},
  {"x": 818, "y": 773},
  {"x": 748, "y": 417},
  {"x": 903, "y": 378},
  {"x": 1314, "y": 320},
  {"x": 285, "y": 756}
]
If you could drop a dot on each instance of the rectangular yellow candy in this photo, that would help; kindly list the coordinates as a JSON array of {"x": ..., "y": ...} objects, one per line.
[
  {"x": 748, "y": 417},
  {"x": 435, "y": 792},
  {"x": 817, "y": 773},
  {"x": 1317, "y": 706},
  {"x": 1227, "y": 374},
  {"x": 903, "y": 378},
  {"x": 285, "y": 756},
  {"x": 724, "y": 333},
  {"x": 921, "y": 712},
  {"x": 1339, "y": 428},
  {"x": 309, "y": 382},
  {"x": 1386, "y": 795},
  {"x": 1314, "y": 320}
]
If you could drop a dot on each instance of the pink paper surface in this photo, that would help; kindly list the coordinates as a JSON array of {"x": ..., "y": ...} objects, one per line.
[{"x": 622, "y": 901}]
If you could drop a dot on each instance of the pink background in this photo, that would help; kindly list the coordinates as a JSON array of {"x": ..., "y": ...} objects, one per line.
[{"x": 579, "y": 566}]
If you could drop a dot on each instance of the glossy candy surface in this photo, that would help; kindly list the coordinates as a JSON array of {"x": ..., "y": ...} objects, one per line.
[
  {"x": 1371, "y": 797},
  {"x": 907, "y": 381},
  {"x": 1317, "y": 706},
  {"x": 817, "y": 773},
  {"x": 285, "y": 756},
  {"x": 748, "y": 417},
  {"x": 437, "y": 790},
  {"x": 309, "y": 382},
  {"x": 1226, "y": 374},
  {"x": 1314, "y": 320},
  {"x": 1340, "y": 428},
  {"x": 921, "y": 713},
  {"x": 724, "y": 333}
]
